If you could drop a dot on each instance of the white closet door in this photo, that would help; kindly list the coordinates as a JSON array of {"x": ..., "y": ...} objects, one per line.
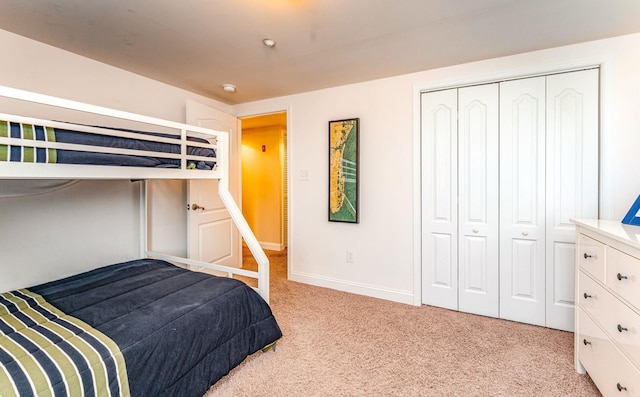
[
  {"x": 478, "y": 199},
  {"x": 439, "y": 199},
  {"x": 572, "y": 182},
  {"x": 522, "y": 200}
]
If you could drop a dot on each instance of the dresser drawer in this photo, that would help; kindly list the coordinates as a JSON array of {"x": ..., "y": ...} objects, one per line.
[
  {"x": 623, "y": 275},
  {"x": 593, "y": 345},
  {"x": 623, "y": 326},
  {"x": 593, "y": 298},
  {"x": 621, "y": 378},
  {"x": 604, "y": 363},
  {"x": 591, "y": 256}
]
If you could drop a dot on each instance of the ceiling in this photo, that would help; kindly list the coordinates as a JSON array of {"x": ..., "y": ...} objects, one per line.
[{"x": 200, "y": 44}]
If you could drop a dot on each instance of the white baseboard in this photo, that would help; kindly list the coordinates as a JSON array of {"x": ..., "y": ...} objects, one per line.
[
  {"x": 355, "y": 288},
  {"x": 271, "y": 246}
]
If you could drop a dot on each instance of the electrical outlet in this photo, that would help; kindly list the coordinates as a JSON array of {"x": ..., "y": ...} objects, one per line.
[{"x": 351, "y": 257}]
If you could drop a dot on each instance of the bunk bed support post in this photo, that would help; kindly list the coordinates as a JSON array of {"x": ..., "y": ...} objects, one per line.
[
  {"x": 240, "y": 221},
  {"x": 144, "y": 220}
]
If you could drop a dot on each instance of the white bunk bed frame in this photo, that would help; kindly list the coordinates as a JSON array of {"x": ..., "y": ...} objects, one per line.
[{"x": 220, "y": 142}]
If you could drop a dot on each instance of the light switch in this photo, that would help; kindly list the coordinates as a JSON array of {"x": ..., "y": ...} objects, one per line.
[{"x": 304, "y": 175}]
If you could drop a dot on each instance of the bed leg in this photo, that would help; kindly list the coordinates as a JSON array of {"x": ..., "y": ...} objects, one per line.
[{"x": 271, "y": 346}]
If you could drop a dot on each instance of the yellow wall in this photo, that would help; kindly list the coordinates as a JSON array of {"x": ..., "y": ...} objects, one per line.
[{"x": 262, "y": 183}]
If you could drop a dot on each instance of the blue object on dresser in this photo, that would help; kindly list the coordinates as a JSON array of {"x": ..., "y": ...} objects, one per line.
[{"x": 632, "y": 217}]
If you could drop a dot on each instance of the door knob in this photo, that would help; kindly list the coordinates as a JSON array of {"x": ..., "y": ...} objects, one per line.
[{"x": 195, "y": 206}]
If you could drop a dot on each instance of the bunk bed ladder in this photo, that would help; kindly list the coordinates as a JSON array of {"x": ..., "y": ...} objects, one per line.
[
  {"x": 239, "y": 220},
  {"x": 262, "y": 275}
]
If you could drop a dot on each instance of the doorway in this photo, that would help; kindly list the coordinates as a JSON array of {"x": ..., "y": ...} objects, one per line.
[{"x": 264, "y": 178}]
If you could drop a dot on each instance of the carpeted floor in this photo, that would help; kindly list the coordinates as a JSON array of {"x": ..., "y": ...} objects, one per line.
[{"x": 341, "y": 344}]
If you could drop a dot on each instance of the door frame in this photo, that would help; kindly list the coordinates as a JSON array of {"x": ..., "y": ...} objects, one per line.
[
  {"x": 270, "y": 110},
  {"x": 606, "y": 65},
  {"x": 282, "y": 135}
]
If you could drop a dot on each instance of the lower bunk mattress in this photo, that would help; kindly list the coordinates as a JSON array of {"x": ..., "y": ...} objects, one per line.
[{"x": 139, "y": 328}]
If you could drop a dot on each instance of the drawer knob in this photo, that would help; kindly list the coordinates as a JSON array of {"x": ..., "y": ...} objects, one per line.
[
  {"x": 587, "y": 256},
  {"x": 620, "y": 387},
  {"x": 586, "y": 296},
  {"x": 586, "y": 342},
  {"x": 620, "y": 276},
  {"x": 621, "y": 328}
]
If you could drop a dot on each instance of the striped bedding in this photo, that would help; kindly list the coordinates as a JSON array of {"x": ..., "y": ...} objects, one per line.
[
  {"x": 63, "y": 156},
  {"x": 43, "y": 351},
  {"x": 139, "y": 328}
]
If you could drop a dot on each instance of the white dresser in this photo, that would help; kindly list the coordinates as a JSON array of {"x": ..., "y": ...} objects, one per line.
[{"x": 607, "y": 323}]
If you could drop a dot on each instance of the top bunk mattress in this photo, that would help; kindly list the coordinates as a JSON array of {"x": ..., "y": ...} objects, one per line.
[
  {"x": 174, "y": 330},
  {"x": 88, "y": 145}
]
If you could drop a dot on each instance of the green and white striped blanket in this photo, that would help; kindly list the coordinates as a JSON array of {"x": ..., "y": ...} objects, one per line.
[
  {"x": 45, "y": 352},
  {"x": 30, "y": 132}
]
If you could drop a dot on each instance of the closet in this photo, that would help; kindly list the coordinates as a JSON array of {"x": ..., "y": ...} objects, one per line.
[{"x": 505, "y": 166}]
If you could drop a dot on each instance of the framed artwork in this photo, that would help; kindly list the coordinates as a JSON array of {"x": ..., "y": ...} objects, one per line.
[{"x": 344, "y": 170}]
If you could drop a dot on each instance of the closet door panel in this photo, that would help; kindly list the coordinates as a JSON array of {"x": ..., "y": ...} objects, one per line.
[
  {"x": 572, "y": 182},
  {"x": 478, "y": 199},
  {"x": 522, "y": 200},
  {"x": 439, "y": 199}
]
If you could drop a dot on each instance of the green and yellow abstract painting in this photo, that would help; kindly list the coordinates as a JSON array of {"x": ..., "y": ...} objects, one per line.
[{"x": 343, "y": 170}]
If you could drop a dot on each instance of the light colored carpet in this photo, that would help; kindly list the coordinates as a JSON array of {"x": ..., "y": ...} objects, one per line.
[{"x": 341, "y": 344}]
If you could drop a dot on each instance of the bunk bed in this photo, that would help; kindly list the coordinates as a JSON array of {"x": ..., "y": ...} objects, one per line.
[{"x": 146, "y": 327}]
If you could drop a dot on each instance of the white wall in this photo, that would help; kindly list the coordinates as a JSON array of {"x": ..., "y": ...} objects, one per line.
[
  {"x": 385, "y": 250},
  {"x": 90, "y": 223},
  {"x": 47, "y": 236},
  {"x": 383, "y": 242}
]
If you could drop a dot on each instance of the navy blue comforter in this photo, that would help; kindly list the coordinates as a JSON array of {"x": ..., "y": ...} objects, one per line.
[{"x": 179, "y": 331}]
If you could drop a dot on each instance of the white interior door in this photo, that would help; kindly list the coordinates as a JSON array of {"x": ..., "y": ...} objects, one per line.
[
  {"x": 440, "y": 198},
  {"x": 478, "y": 199},
  {"x": 212, "y": 235},
  {"x": 522, "y": 200},
  {"x": 572, "y": 182}
]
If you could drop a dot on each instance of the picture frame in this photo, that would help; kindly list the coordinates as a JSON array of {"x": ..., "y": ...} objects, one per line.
[{"x": 344, "y": 170}]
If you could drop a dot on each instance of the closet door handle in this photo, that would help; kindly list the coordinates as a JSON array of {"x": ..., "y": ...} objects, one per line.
[
  {"x": 586, "y": 256},
  {"x": 586, "y": 296},
  {"x": 195, "y": 206},
  {"x": 620, "y": 387},
  {"x": 621, "y": 328},
  {"x": 620, "y": 277},
  {"x": 586, "y": 342}
]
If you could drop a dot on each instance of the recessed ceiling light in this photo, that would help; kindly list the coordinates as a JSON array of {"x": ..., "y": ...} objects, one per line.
[
  {"x": 269, "y": 43},
  {"x": 229, "y": 87}
]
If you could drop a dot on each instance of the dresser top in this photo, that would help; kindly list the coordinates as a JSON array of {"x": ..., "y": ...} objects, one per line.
[{"x": 627, "y": 234}]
